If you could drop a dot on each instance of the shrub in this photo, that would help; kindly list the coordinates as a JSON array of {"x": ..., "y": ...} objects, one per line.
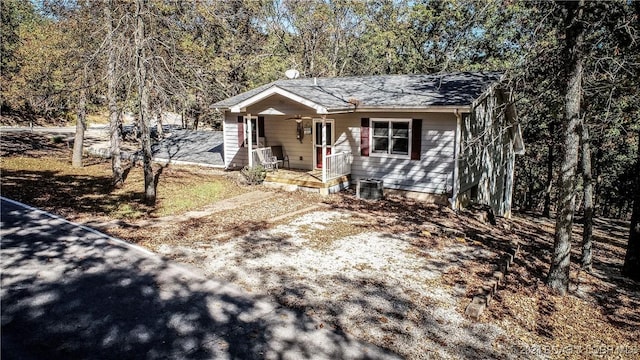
[{"x": 254, "y": 175}]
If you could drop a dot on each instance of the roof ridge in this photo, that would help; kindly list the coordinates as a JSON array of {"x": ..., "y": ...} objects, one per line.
[{"x": 388, "y": 75}]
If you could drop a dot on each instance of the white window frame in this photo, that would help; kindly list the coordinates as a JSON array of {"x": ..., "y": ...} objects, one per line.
[
  {"x": 256, "y": 133},
  {"x": 388, "y": 154},
  {"x": 315, "y": 144}
]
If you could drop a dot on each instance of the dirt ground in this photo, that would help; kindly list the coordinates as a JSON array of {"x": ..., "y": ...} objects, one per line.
[{"x": 396, "y": 273}]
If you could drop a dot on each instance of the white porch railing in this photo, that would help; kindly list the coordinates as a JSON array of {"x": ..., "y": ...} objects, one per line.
[{"x": 336, "y": 165}]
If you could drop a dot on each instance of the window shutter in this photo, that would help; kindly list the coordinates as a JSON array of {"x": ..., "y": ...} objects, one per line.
[
  {"x": 240, "y": 131},
  {"x": 416, "y": 139},
  {"x": 261, "y": 126},
  {"x": 364, "y": 137}
]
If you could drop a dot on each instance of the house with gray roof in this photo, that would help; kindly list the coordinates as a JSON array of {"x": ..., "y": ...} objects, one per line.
[{"x": 443, "y": 137}]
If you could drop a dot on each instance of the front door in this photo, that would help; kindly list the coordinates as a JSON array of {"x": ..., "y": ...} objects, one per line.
[{"x": 317, "y": 141}]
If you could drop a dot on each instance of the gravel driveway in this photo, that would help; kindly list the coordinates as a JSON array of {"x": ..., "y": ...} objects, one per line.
[
  {"x": 69, "y": 292},
  {"x": 374, "y": 285}
]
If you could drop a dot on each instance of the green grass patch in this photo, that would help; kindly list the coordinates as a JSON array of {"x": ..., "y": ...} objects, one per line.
[{"x": 193, "y": 196}]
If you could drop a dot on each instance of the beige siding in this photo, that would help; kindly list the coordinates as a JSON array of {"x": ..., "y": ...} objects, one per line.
[
  {"x": 279, "y": 130},
  {"x": 279, "y": 103}
]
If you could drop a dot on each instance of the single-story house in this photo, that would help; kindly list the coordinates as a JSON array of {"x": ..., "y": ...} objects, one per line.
[{"x": 448, "y": 136}]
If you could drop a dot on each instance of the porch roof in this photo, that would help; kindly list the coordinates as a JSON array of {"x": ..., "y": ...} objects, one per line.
[{"x": 347, "y": 94}]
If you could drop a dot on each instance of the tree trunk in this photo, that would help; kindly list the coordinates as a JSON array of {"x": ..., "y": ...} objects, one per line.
[
  {"x": 81, "y": 125},
  {"x": 596, "y": 172},
  {"x": 114, "y": 119},
  {"x": 587, "y": 179},
  {"x": 528, "y": 196},
  {"x": 631, "y": 267},
  {"x": 143, "y": 102},
  {"x": 558, "y": 278},
  {"x": 546, "y": 211}
]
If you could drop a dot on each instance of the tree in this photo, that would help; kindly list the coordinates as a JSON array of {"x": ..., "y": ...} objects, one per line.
[
  {"x": 587, "y": 179},
  {"x": 558, "y": 278},
  {"x": 15, "y": 14},
  {"x": 81, "y": 123},
  {"x": 112, "y": 83},
  {"x": 85, "y": 48},
  {"x": 631, "y": 267},
  {"x": 143, "y": 102}
]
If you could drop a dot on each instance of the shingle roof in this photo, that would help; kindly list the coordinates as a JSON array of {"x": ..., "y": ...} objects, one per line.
[{"x": 384, "y": 91}]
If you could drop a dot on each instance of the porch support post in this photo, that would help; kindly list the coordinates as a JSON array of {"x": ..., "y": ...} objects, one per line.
[
  {"x": 455, "y": 188},
  {"x": 249, "y": 140},
  {"x": 324, "y": 148}
]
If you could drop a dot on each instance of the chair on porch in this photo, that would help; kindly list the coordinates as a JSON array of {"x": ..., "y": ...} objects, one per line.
[
  {"x": 266, "y": 159},
  {"x": 279, "y": 154}
]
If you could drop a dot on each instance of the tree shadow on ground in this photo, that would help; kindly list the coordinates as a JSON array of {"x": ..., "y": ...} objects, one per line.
[
  {"x": 68, "y": 194},
  {"x": 615, "y": 296},
  {"x": 69, "y": 293},
  {"x": 443, "y": 227},
  {"x": 30, "y": 144}
]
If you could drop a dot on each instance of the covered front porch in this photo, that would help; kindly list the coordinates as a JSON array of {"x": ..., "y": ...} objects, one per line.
[
  {"x": 333, "y": 175},
  {"x": 303, "y": 143},
  {"x": 310, "y": 137}
]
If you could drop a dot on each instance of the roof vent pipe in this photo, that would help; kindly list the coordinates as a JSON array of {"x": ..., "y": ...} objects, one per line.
[{"x": 315, "y": 81}]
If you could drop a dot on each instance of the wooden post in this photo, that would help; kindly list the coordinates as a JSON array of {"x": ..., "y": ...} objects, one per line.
[
  {"x": 455, "y": 187},
  {"x": 249, "y": 140},
  {"x": 324, "y": 148}
]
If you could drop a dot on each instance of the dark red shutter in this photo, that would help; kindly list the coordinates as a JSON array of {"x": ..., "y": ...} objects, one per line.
[
  {"x": 261, "y": 126},
  {"x": 416, "y": 139},
  {"x": 240, "y": 131},
  {"x": 364, "y": 136}
]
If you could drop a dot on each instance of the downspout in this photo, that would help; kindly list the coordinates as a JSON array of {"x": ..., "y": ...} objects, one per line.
[{"x": 456, "y": 155}]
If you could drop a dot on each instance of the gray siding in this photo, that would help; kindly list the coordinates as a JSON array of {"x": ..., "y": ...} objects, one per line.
[
  {"x": 433, "y": 173},
  {"x": 487, "y": 157}
]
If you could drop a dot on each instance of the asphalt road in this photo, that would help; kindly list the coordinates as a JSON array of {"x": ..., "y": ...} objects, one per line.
[
  {"x": 203, "y": 147},
  {"x": 69, "y": 292}
]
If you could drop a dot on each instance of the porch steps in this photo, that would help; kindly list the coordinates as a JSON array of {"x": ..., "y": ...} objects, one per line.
[{"x": 305, "y": 181}]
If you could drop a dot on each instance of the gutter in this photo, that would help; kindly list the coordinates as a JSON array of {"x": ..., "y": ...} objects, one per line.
[{"x": 399, "y": 108}]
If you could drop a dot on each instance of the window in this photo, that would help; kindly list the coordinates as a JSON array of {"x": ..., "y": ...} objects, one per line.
[
  {"x": 391, "y": 136},
  {"x": 254, "y": 131},
  {"x": 257, "y": 131}
]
